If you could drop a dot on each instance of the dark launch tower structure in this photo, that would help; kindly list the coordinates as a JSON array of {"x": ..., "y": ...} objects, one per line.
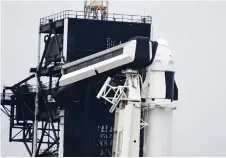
[{"x": 88, "y": 125}]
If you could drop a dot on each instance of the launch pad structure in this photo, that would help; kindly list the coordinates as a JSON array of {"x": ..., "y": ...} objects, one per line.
[{"x": 73, "y": 123}]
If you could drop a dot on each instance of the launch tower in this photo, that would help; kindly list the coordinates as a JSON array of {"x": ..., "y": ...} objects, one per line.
[{"x": 85, "y": 122}]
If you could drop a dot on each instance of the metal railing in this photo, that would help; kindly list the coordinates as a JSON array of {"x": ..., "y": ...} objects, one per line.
[
  {"x": 6, "y": 96},
  {"x": 81, "y": 15},
  {"x": 32, "y": 88}
]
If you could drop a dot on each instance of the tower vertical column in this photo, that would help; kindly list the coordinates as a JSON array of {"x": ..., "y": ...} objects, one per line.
[
  {"x": 127, "y": 129},
  {"x": 61, "y": 145},
  {"x": 62, "y": 112},
  {"x": 65, "y": 39},
  {"x": 35, "y": 129}
]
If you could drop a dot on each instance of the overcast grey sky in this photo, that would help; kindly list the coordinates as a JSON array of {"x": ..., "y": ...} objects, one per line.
[{"x": 196, "y": 32}]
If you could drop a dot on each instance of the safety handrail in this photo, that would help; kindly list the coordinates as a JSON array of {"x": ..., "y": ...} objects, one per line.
[{"x": 81, "y": 15}]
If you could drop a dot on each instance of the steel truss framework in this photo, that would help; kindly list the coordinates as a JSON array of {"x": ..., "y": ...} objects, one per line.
[{"x": 21, "y": 128}]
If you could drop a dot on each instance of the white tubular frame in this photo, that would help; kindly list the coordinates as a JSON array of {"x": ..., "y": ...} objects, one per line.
[{"x": 118, "y": 96}]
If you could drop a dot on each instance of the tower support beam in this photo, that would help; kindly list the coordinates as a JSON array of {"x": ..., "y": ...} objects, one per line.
[{"x": 126, "y": 141}]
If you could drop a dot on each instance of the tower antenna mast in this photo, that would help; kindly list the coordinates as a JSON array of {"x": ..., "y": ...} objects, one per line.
[{"x": 96, "y": 9}]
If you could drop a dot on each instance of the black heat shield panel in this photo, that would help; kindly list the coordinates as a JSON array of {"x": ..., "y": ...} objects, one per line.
[
  {"x": 171, "y": 86},
  {"x": 86, "y": 37}
]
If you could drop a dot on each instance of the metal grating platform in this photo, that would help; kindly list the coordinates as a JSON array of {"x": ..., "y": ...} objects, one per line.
[{"x": 81, "y": 15}]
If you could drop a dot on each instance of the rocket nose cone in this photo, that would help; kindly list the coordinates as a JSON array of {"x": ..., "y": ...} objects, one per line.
[{"x": 163, "y": 42}]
